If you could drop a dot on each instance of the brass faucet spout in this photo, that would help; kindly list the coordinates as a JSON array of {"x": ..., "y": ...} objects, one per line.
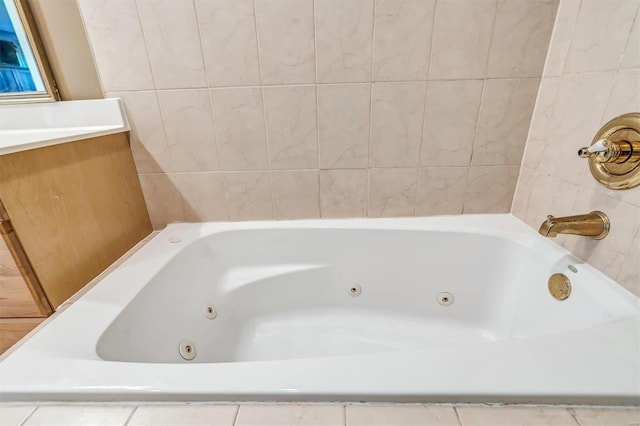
[{"x": 595, "y": 225}]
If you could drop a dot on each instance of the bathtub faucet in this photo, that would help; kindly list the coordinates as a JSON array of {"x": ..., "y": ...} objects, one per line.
[{"x": 594, "y": 225}]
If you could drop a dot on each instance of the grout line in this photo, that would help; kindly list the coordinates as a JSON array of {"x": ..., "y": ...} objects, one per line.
[
  {"x": 131, "y": 415},
  {"x": 211, "y": 115},
  {"x": 146, "y": 49},
  {"x": 415, "y": 191},
  {"x": 349, "y": 83},
  {"x": 26, "y": 419},
  {"x": 264, "y": 110},
  {"x": 344, "y": 408},
  {"x": 614, "y": 80},
  {"x": 634, "y": 22},
  {"x": 373, "y": 38},
  {"x": 455, "y": 410},
  {"x": 266, "y": 137},
  {"x": 573, "y": 32},
  {"x": 315, "y": 42},
  {"x": 369, "y": 152},
  {"x": 235, "y": 417},
  {"x": 433, "y": 26},
  {"x": 573, "y": 414},
  {"x": 493, "y": 29},
  {"x": 424, "y": 119},
  {"x": 315, "y": 57},
  {"x": 473, "y": 145}
]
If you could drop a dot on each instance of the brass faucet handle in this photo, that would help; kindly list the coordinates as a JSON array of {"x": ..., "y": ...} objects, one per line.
[
  {"x": 599, "y": 151},
  {"x": 608, "y": 151},
  {"x": 614, "y": 154}
]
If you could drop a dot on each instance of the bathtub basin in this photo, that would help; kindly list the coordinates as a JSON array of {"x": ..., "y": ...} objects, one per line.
[{"x": 441, "y": 309}]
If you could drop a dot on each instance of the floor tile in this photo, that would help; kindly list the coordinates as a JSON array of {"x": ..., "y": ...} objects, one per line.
[
  {"x": 290, "y": 415},
  {"x": 81, "y": 415},
  {"x": 608, "y": 416},
  {"x": 184, "y": 415},
  {"x": 515, "y": 416},
  {"x": 400, "y": 415},
  {"x": 11, "y": 415}
]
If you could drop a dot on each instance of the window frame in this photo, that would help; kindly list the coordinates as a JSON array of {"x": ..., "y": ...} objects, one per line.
[{"x": 51, "y": 93}]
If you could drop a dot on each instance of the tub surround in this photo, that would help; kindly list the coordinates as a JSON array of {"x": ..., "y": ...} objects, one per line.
[
  {"x": 376, "y": 102},
  {"x": 589, "y": 78}
]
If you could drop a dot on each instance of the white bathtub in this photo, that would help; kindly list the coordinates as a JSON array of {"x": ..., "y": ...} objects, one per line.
[{"x": 288, "y": 327}]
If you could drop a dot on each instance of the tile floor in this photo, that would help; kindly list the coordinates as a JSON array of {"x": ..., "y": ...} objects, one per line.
[{"x": 313, "y": 415}]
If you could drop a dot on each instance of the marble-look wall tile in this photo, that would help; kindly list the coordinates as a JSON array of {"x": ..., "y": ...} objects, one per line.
[
  {"x": 504, "y": 120},
  {"x": 580, "y": 104},
  {"x": 522, "y": 195},
  {"x": 540, "y": 127},
  {"x": 344, "y": 32},
  {"x": 248, "y": 195},
  {"x": 396, "y": 128},
  {"x": 229, "y": 42},
  {"x": 597, "y": 43},
  {"x": 631, "y": 55},
  {"x": 392, "y": 192},
  {"x": 549, "y": 195},
  {"x": 565, "y": 24},
  {"x": 625, "y": 95},
  {"x": 402, "y": 39},
  {"x": 202, "y": 196},
  {"x": 148, "y": 141},
  {"x": 574, "y": 100},
  {"x": 240, "y": 129},
  {"x": 607, "y": 254},
  {"x": 629, "y": 274},
  {"x": 173, "y": 43},
  {"x": 118, "y": 45},
  {"x": 461, "y": 39},
  {"x": 296, "y": 194},
  {"x": 520, "y": 38},
  {"x": 440, "y": 190},
  {"x": 286, "y": 41},
  {"x": 344, "y": 113},
  {"x": 186, "y": 115},
  {"x": 490, "y": 189},
  {"x": 291, "y": 126},
  {"x": 163, "y": 199},
  {"x": 450, "y": 122},
  {"x": 343, "y": 193}
]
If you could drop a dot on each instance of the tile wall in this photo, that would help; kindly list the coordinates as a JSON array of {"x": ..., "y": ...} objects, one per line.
[
  {"x": 262, "y": 109},
  {"x": 592, "y": 74}
]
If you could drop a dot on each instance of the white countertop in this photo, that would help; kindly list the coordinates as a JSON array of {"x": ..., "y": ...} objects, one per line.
[{"x": 30, "y": 126}]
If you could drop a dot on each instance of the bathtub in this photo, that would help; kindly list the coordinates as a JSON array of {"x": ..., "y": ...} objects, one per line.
[{"x": 441, "y": 309}]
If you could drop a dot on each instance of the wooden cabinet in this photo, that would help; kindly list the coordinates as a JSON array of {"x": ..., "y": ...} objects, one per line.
[{"x": 70, "y": 211}]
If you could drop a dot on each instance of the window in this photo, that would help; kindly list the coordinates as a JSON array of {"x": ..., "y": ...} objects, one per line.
[{"x": 24, "y": 73}]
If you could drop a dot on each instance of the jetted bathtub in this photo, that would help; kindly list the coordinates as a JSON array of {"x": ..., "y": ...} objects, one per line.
[{"x": 446, "y": 309}]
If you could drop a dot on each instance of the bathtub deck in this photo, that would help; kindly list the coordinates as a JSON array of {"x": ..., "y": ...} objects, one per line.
[{"x": 314, "y": 415}]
